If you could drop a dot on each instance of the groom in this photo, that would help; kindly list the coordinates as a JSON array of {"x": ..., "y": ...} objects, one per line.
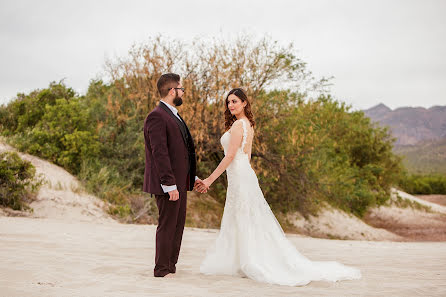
[{"x": 169, "y": 170}]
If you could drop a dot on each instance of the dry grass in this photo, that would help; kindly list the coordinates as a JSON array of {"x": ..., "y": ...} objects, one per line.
[{"x": 203, "y": 211}]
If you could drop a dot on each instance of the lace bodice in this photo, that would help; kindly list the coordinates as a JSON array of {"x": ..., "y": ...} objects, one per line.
[{"x": 225, "y": 138}]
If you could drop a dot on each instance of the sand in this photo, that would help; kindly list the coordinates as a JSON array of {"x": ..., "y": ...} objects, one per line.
[
  {"x": 69, "y": 246},
  {"x": 434, "y": 198},
  {"x": 433, "y": 206},
  {"x": 336, "y": 224},
  {"x": 384, "y": 223},
  {"x": 50, "y": 257}
]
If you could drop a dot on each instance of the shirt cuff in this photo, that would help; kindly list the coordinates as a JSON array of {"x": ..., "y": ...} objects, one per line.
[
  {"x": 196, "y": 177},
  {"x": 167, "y": 189}
]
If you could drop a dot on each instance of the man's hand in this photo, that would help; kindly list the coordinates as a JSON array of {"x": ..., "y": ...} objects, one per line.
[
  {"x": 174, "y": 195},
  {"x": 198, "y": 186},
  {"x": 202, "y": 186},
  {"x": 197, "y": 182}
]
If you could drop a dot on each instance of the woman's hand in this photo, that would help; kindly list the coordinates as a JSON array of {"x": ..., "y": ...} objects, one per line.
[
  {"x": 207, "y": 183},
  {"x": 202, "y": 186}
]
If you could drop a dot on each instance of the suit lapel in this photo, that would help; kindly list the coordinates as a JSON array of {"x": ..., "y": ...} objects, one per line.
[{"x": 167, "y": 109}]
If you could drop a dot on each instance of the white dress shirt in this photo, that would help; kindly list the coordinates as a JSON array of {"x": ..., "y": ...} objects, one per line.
[
  {"x": 172, "y": 108},
  {"x": 167, "y": 189}
]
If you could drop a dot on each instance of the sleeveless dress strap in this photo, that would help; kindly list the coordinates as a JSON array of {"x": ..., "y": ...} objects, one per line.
[{"x": 245, "y": 135}]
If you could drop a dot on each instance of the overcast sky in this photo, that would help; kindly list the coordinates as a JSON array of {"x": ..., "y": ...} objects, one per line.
[{"x": 378, "y": 51}]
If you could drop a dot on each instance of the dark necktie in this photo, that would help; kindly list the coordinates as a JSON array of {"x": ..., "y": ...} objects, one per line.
[{"x": 180, "y": 117}]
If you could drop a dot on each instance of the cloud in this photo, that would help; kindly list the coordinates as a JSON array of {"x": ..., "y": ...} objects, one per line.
[{"x": 378, "y": 51}]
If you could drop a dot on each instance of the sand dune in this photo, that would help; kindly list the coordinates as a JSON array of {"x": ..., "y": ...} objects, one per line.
[
  {"x": 335, "y": 224},
  {"x": 62, "y": 196},
  {"x": 434, "y": 206}
]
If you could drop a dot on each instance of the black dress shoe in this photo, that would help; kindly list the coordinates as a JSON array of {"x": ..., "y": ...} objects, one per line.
[{"x": 160, "y": 274}]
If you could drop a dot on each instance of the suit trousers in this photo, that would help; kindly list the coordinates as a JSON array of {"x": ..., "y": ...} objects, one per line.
[{"x": 169, "y": 233}]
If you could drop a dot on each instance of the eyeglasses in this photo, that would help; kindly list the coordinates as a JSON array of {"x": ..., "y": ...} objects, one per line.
[{"x": 182, "y": 89}]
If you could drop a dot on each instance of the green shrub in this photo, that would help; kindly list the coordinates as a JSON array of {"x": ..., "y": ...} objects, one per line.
[
  {"x": 423, "y": 184},
  {"x": 17, "y": 181},
  {"x": 56, "y": 128},
  {"x": 307, "y": 149},
  {"x": 27, "y": 110}
]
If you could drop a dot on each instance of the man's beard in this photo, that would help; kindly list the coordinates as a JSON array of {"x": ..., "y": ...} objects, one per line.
[{"x": 177, "y": 101}]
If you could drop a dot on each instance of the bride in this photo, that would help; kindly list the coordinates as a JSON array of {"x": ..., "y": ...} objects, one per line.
[{"x": 251, "y": 243}]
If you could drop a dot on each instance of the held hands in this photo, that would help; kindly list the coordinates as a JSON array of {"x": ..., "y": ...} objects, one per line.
[{"x": 202, "y": 186}]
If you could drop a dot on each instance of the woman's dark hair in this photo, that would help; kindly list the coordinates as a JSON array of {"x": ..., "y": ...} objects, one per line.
[
  {"x": 230, "y": 118},
  {"x": 167, "y": 81}
]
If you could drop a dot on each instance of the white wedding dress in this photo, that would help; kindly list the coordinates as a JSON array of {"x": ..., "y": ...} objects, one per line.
[{"x": 251, "y": 242}]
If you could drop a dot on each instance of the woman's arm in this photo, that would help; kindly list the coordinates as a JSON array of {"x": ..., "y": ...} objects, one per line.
[{"x": 234, "y": 144}]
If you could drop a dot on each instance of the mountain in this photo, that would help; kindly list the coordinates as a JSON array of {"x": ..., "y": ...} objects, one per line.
[
  {"x": 411, "y": 125},
  {"x": 424, "y": 157},
  {"x": 377, "y": 112}
]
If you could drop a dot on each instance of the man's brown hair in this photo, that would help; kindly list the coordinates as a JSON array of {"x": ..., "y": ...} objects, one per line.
[{"x": 167, "y": 81}]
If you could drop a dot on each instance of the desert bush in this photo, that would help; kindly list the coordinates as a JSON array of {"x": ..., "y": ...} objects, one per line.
[
  {"x": 57, "y": 129},
  {"x": 423, "y": 184},
  {"x": 18, "y": 181},
  {"x": 308, "y": 148}
]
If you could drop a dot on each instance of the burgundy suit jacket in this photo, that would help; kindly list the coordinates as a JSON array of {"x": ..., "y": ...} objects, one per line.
[{"x": 170, "y": 160}]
